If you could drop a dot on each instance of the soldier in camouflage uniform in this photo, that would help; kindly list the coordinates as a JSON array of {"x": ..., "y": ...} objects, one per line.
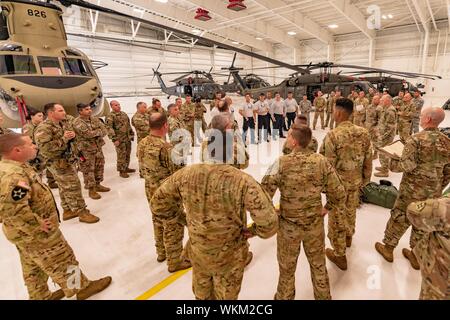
[
  {"x": 373, "y": 113},
  {"x": 90, "y": 132},
  {"x": 157, "y": 163},
  {"x": 319, "y": 105},
  {"x": 31, "y": 222},
  {"x": 140, "y": 121},
  {"x": 330, "y": 104},
  {"x": 359, "y": 111},
  {"x": 200, "y": 123},
  {"x": 55, "y": 139},
  {"x": 187, "y": 115},
  {"x": 313, "y": 145},
  {"x": 425, "y": 164},
  {"x": 301, "y": 177},
  {"x": 305, "y": 107},
  {"x": 175, "y": 125},
  {"x": 418, "y": 103},
  {"x": 406, "y": 112},
  {"x": 349, "y": 150},
  {"x": 121, "y": 135},
  {"x": 371, "y": 94},
  {"x": 156, "y": 107},
  {"x": 216, "y": 198},
  {"x": 398, "y": 100},
  {"x": 432, "y": 217},
  {"x": 387, "y": 124}
]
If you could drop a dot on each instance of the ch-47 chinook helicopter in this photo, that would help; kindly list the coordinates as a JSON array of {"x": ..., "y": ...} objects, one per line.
[{"x": 37, "y": 66}]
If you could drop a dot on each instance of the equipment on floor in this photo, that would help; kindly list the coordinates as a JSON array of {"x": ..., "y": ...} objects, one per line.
[{"x": 383, "y": 194}]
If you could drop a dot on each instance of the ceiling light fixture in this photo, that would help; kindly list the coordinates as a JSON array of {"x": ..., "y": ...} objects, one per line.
[
  {"x": 259, "y": 38},
  {"x": 162, "y": 1},
  {"x": 235, "y": 42},
  {"x": 333, "y": 26},
  {"x": 390, "y": 16},
  {"x": 384, "y": 16},
  {"x": 292, "y": 33}
]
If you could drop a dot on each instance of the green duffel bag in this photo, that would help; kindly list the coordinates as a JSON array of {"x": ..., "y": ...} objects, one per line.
[{"x": 383, "y": 194}]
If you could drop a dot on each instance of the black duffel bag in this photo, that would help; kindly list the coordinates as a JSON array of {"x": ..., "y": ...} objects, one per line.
[{"x": 383, "y": 194}]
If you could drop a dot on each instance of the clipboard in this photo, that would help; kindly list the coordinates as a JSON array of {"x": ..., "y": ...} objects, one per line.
[{"x": 393, "y": 150}]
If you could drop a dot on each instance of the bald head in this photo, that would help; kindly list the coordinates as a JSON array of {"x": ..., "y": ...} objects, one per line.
[
  {"x": 221, "y": 122},
  {"x": 432, "y": 117}
]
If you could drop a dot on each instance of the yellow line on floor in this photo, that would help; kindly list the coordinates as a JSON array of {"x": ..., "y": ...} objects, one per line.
[
  {"x": 160, "y": 286},
  {"x": 168, "y": 281}
]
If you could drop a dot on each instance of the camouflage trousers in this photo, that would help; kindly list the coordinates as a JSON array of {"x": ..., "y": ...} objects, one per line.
[
  {"x": 398, "y": 223},
  {"x": 342, "y": 225},
  {"x": 55, "y": 260},
  {"x": 385, "y": 161},
  {"x": 93, "y": 168},
  {"x": 219, "y": 276},
  {"x": 306, "y": 114},
  {"x": 329, "y": 122},
  {"x": 168, "y": 236},
  {"x": 123, "y": 151},
  {"x": 190, "y": 127},
  {"x": 429, "y": 292},
  {"x": 318, "y": 114},
  {"x": 404, "y": 130},
  {"x": 289, "y": 241},
  {"x": 69, "y": 185}
]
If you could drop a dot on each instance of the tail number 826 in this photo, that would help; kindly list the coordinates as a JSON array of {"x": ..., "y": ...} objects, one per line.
[{"x": 37, "y": 13}]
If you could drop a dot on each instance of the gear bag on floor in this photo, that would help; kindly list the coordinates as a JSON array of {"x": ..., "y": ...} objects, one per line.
[{"x": 383, "y": 194}]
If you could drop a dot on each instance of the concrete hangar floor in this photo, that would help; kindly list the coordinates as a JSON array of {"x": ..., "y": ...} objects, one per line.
[{"x": 121, "y": 245}]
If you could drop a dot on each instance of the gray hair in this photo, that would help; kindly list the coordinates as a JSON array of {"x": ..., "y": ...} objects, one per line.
[{"x": 221, "y": 121}]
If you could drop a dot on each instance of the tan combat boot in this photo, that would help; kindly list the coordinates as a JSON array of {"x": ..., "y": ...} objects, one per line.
[
  {"x": 249, "y": 258},
  {"x": 93, "y": 194},
  {"x": 341, "y": 262},
  {"x": 408, "y": 254},
  {"x": 57, "y": 295},
  {"x": 379, "y": 168},
  {"x": 130, "y": 170},
  {"x": 185, "y": 264},
  {"x": 68, "y": 215},
  {"x": 382, "y": 174},
  {"x": 348, "y": 241},
  {"x": 123, "y": 174},
  {"x": 86, "y": 217},
  {"x": 161, "y": 258},
  {"x": 100, "y": 188},
  {"x": 386, "y": 251},
  {"x": 94, "y": 287},
  {"x": 53, "y": 185}
]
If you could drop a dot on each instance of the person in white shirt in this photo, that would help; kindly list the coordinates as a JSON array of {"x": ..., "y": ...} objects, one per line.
[
  {"x": 247, "y": 112},
  {"x": 278, "y": 112},
  {"x": 262, "y": 110},
  {"x": 291, "y": 109}
]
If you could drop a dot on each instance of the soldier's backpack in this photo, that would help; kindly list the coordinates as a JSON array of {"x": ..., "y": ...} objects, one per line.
[{"x": 383, "y": 194}]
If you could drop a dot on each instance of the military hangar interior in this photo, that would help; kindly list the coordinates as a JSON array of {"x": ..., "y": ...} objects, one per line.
[{"x": 143, "y": 50}]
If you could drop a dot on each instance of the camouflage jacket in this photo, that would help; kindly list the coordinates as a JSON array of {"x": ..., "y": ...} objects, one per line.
[
  {"x": 320, "y": 104},
  {"x": 305, "y": 106},
  {"x": 241, "y": 157},
  {"x": 313, "y": 146},
  {"x": 349, "y": 150},
  {"x": 425, "y": 164},
  {"x": 25, "y": 202},
  {"x": 52, "y": 144},
  {"x": 216, "y": 198},
  {"x": 360, "y": 115},
  {"x": 331, "y": 104},
  {"x": 387, "y": 125},
  {"x": 433, "y": 250},
  {"x": 5, "y": 131},
  {"x": 156, "y": 160},
  {"x": 29, "y": 129},
  {"x": 372, "y": 116},
  {"x": 409, "y": 112},
  {"x": 174, "y": 125},
  {"x": 301, "y": 177},
  {"x": 141, "y": 124},
  {"x": 152, "y": 110},
  {"x": 187, "y": 113},
  {"x": 89, "y": 134},
  {"x": 397, "y": 102},
  {"x": 418, "y": 104},
  {"x": 200, "y": 111},
  {"x": 119, "y": 128}
]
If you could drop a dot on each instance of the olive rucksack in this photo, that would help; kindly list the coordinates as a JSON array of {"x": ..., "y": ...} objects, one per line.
[{"x": 383, "y": 194}]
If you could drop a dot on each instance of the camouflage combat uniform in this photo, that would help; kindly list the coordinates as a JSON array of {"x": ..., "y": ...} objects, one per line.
[
  {"x": 425, "y": 164},
  {"x": 25, "y": 203},
  {"x": 386, "y": 133},
  {"x": 89, "y": 141},
  {"x": 418, "y": 104},
  {"x": 152, "y": 110},
  {"x": 216, "y": 198},
  {"x": 373, "y": 114},
  {"x": 349, "y": 151},
  {"x": 187, "y": 115},
  {"x": 313, "y": 146},
  {"x": 240, "y": 159},
  {"x": 319, "y": 104},
  {"x": 174, "y": 125},
  {"x": 329, "y": 122},
  {"x": 60, "y": 156},
  {"x": 305, "y": 109},
  {"x": 405, "y": 121},
  {"x": 141, "y": 124},
  {"x": 156, "y": 163},
  {"x": 200, "y": 111},
  {"x": 432, "y": 217},
  {"x": 301, "y": 177},
  {"x": 120, "y": 130},
  {"x": 359, "y": 117}
]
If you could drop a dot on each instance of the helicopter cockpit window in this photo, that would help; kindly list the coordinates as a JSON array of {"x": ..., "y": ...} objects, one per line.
[
  {"x": 50, "y": 66},
  {"x": 17, "y": 64},
  {"x": 70, "y": 52},
  {"x": 76, "y": 67}
]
